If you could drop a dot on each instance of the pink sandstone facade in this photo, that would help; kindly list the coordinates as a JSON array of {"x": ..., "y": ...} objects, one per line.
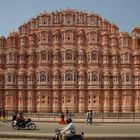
[{"x": 70, "y": 59}]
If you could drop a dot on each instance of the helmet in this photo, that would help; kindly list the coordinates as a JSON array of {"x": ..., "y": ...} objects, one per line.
[{"x": 69, "y": 120}]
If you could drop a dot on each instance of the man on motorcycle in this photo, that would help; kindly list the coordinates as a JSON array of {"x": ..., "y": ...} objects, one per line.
[
  {"x": 20, "y": 119},
  {"x": 70, "y": 128},
  {"x": 68, "y": 131}
]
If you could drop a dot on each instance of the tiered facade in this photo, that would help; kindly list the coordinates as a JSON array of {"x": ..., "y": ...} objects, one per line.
[{"x": 70, "y": 59}]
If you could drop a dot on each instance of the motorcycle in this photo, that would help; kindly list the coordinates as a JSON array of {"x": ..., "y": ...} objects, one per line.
[
  {"x": 58, "y": 136},
  {"x": 27, "y": 123}
]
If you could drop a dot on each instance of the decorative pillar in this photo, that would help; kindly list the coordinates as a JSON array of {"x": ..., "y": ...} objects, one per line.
[
  {"x": 21, "y": 101},
  {"x": 137, "y": 100},
  {"x": 56, "y": 101},
  {"x": 127, "y": 101},
  {"x": 116, "y": 101},
  {"x": 82, "y": 100},
  {"x": 31, "y": 102},
  {"x": 106, "y": 100}
]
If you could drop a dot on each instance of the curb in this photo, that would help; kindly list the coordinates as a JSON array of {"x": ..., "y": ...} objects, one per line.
[{"x": 48, "y": 136}]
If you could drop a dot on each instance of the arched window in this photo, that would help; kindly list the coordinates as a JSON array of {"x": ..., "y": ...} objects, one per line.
[
  {"x": 69, "y": 77},
  {"x": 31, "y": 78},
  {"x": 42, "y": 77},
  {"x": 93, "y": 38},
  {"x": 94, "y": 56},
  {"x": 127, "y": 58},
  {"x": 21, "y": 78},
  {"x": 81, "y": 57},
  {"x": 69, "y": 36},
  {"x": 56, "y": 78},
  {"x": 127, "y": 78},
  {"x": 68, "y": 19},
  {"x": 68, "y": 55},
  {"x": 9, "y": 78},
  {"x": 43, "y": 37},
  {"x": 81, "y": 78},
  {"x": 94, "y": 77},
  {"x": 43, "y": 55},
  {"x": 23, "y": 41}
]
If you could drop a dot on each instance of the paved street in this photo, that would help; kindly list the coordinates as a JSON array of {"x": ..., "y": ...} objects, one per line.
[{"x": 96, "y": 130}]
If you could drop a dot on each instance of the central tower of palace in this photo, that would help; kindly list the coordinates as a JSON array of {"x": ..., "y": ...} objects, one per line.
[{"x": 70, "y": 59}]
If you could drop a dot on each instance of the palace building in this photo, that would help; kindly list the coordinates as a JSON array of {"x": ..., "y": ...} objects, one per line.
[{"x": 70, "y": 59}]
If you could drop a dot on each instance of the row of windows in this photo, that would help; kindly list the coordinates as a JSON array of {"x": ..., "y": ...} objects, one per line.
[
  {"x": 70, "y": 77},
  {"x": 68, "y": 39},
  {"x": 69, "y": 56},
  {"x": 69, "y": 36}
]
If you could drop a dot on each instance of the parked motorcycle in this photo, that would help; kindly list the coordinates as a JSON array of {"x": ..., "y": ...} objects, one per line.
[
  {"x": 27, "y": 123},
  {"x": 58, "y": 136}
]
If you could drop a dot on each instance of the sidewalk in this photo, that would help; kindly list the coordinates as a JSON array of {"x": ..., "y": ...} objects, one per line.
[
  {"x": 94, "y": 120},
  {"x": 81, "y": 120}
]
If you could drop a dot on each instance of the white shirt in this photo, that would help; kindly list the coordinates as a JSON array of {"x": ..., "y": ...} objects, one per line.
[{"x": 70, "y": 128}]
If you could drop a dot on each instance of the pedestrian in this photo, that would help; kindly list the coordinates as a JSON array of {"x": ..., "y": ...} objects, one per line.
[
  {"x": 62, "y": 120},
  {"x": 87, "y": 117},
  {"x": 90, "y": 117},
  {"x": 67, "y": 115},
  {"x": 3, "y": 115},
  {"x": 67, "y": 111},
  {"x": 14, "y": 117}
]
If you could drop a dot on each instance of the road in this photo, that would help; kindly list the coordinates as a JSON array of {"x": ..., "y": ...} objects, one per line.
[{"x": 97, "y": 128}]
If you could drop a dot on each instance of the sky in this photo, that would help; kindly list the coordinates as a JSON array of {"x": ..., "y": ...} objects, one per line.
[{"x": 13, "y": 13}]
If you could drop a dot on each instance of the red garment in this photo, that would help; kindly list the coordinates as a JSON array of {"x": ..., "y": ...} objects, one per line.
[{"x": 62, "y": 121}]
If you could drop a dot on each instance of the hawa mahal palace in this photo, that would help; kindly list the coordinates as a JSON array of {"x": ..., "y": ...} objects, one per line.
[{"x": 70, "y": 59}]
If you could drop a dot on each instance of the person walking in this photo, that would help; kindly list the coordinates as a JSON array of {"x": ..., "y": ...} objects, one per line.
[
  {"x": 67, "y": 111},
  {"x": 3, "y": 115},
  {"x": 90, "y": 117},
  {"x": 87, "y": 117},
  {"x": 62, "y": 120}
]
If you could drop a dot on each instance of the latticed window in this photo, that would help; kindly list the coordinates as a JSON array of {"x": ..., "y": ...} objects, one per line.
[
  {"x": 42, "y": 78},
  {"x": 127, "y": 78},
  {"x": 94, "y": 56},
  {"x": 30, "y": 78},
  {"x": 56, "y": 78},
  {"x": 22, "y": 78},
  {"x": 94, "y": 77},
  {"x": 69, "y": 77},
  {"x": 68, "y": 55},
  {"x": 43, "y": 56},
  {"x": 9, "y": 78},
  {"x": 81, "y": 78},
  {"x": 44, "y": 37}
]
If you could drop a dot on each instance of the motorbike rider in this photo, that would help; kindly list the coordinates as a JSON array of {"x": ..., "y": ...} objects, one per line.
[
  {"x": 20, "y": 119},
  {"x": 69, "y": 129},
  {"x": 14, "y": 117}
]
